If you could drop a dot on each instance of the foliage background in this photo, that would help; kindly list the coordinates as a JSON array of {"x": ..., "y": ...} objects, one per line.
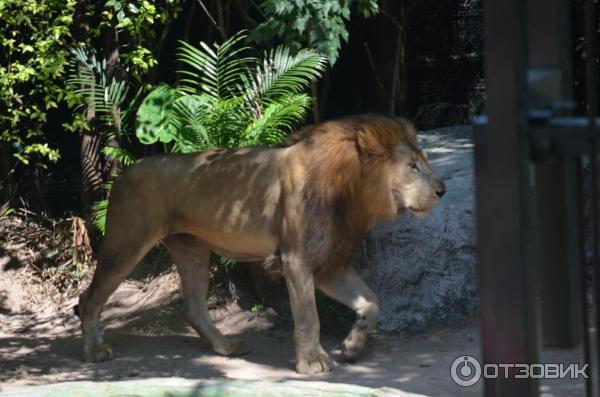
[{"x": 404, "y": 57}]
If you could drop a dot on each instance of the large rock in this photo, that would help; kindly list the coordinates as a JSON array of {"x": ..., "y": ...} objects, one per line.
[{"x": 424, "y": 270}]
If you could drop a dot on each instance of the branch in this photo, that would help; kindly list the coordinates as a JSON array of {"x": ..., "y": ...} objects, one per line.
[
  {"x": 372, "y": 63},
  {"x": 407, "y": 7},
  {"x": 392, "y": 19},
  {"x": 398, "y": 53},
  {"x": 219, "y": 29},
  {"x": 221, "y": 18}
]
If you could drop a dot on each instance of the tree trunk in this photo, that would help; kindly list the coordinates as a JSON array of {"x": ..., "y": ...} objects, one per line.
[
  {"x": 113, "y": 71},
  {"x": 6, "y": 178},
  {"x": 89, "y": 147},
  {"x": 314, "y": 93},
  {"x": 111, "y": 51},
  {"x": 399, "y": 77},
  {"x": 91, "y": 176},
  {"x": 388, "y": 91},
  {"x": 223, "y": 18},
  {"x": 325, "y": 90}
]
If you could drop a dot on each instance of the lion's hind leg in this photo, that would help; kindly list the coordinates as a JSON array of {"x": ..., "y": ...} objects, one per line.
[
  {"x": 345, "y": 286},
  {"x": 192, "y": 260},
  {"x": 116, "y": 259}
]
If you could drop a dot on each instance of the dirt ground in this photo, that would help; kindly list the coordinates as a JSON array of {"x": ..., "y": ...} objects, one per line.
[{"x": 40, "y": 344}]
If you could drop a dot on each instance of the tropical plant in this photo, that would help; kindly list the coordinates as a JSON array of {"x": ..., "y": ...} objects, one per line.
[
  {"x": 89, "y": 82},
  {"x": 93, "y": 90},
  {"x": 101, "y": 210},
  {"x": 228, "y": 97}
]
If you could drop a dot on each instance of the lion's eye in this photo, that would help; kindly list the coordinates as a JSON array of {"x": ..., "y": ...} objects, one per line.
[{"x": 414, "y": 166}]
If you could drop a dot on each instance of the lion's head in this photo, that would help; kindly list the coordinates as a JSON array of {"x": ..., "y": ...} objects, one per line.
[
  {"x": 414, "y": 185},
  {"x": 372, "y": 161},
  {"x": 409, "y": 181}
]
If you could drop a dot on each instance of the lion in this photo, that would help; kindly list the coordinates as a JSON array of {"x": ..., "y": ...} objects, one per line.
[{"x": 308, "y": 203}]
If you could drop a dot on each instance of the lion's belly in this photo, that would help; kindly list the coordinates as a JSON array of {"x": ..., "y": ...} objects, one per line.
[
  {"x": 252, "y": 242},
  {"x": 241, "y": 248},
  {"x": 228, "y": 199}
]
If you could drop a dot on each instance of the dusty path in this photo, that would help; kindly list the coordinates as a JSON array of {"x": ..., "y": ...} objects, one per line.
[{"x": 41, "y": 345}]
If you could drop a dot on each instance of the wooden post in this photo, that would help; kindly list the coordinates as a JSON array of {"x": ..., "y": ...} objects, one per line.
[{"x": 503, "y": 208}]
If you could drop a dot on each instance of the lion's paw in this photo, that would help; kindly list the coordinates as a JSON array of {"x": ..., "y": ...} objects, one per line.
[
  {"x": 350, "y": 353},
  {"x": 319, "y": 365},
  {"x": 353, "y": 346},
  {"x": 99, "y": 353},
  {"x": 231, "y": 348}
]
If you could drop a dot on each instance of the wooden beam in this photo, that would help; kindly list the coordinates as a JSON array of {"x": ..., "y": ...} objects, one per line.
[{"x": 502, "y": 190}]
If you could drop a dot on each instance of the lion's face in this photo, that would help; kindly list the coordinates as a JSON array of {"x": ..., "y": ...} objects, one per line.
[{"x": 413, "y": 183}]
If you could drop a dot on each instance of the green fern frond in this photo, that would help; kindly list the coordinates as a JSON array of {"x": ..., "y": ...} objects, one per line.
[
  {"x": 100, "y": 209},
  {"x": 88, "y": 79},
  {"x": 122, "y": 156},
  {"x": 282, "y": 73},
  {"x": 277, "y": 119},
  {"x": 189, "y": 111},
  {"x": 227, "y": 98},
  {"x": 215, "y": 69}
]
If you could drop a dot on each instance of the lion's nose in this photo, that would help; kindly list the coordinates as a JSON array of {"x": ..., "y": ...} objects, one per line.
[{"x": 440, "y": 193}]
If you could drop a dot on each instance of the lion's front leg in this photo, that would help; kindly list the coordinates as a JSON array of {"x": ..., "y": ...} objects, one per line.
[
  {"x": 346, "y": 287},
  {"x": 310, "y": 356}
]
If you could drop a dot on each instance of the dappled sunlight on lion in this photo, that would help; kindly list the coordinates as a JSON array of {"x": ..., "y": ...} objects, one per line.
[{"x": 304, "y": 205}]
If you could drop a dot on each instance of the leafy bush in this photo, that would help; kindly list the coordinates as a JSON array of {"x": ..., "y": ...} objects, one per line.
[
  {"x": 92, "y": 89},
  {"x": 108, "y": 97},
  {"x": 34, "y": 41},
  {"x": 228, "y": 98},
  {"x": 314, "y": 23}
]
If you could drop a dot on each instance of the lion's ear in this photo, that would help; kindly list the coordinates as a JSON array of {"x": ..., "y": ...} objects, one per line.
[{"x": 369, "y": 143}]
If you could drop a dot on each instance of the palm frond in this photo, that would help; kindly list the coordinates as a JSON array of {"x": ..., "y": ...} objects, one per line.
[
  {"x": 282, "y": 73},
  {"x": 88, "y": 79},
  {"x": 226, "y": 98},
  {"x": 225, "y": 121},
  {"x": 100, "y": 209},
  {"x": 278, "y": 118},
  {"x": 121, "y": 155},
  {"x": 127, "y": 115},
  {"x": 189, "y": 112},
  {"x": 215, "y": 70}
]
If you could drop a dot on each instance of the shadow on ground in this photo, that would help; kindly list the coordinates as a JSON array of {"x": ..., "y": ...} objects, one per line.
[
  {"x": 151, "y": 340},
  {"x": 144, "y": 324}
]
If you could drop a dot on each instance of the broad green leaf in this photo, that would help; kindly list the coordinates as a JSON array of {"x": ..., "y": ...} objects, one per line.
[{"x": 154, "y": 117}]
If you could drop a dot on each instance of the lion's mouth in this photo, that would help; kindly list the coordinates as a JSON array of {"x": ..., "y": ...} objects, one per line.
[{"x": 420, "y": 212}]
